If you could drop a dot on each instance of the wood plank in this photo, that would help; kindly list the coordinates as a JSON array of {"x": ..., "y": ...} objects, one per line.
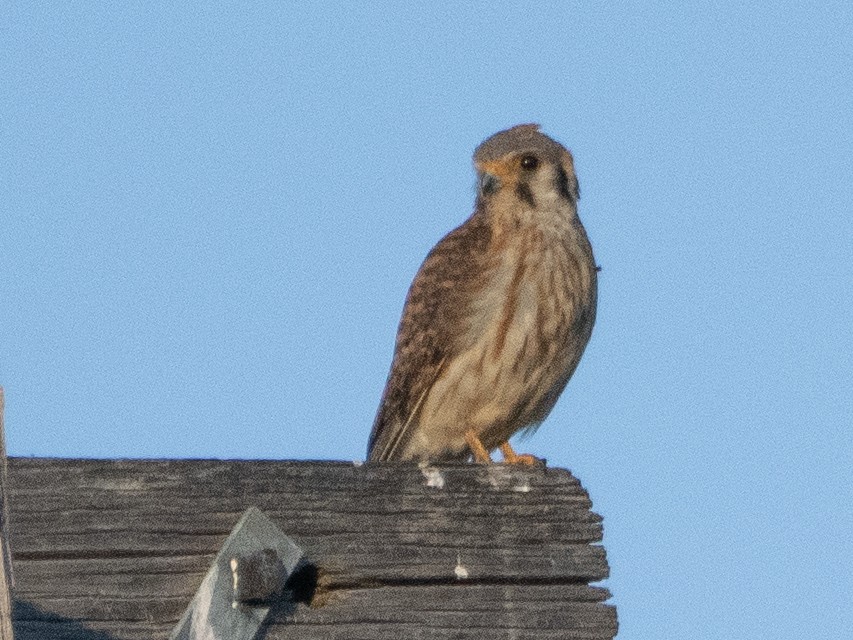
[
  {"x": 380, "y": 604},
  {"x": 119, "y": 547},
  {"x": 350, "y": 516},
  {"x": 468, "y": 611},
  {"x": 461, "y": 611},
  {"x": 7, "y": 579}
]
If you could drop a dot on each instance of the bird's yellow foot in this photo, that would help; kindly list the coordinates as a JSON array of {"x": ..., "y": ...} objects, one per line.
[
  {"x": 480, "y": 453},
  {"x": 511, "y": 457}
]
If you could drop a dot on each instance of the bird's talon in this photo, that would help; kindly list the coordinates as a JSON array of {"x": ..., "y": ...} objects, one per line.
[
  {"x": 480, "y": 453},
  {"x": 511, "y": 457}
]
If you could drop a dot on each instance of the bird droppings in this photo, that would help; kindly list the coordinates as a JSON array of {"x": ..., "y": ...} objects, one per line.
[
  {"x": 461, "y": 571},
  {"x": 357, "y": 463},
  {"x": 434, "y": 477},
  {"x": 498, "y": 475},
  {"x": 234, "y": 575},
  {"x": 524, "y": 487}
]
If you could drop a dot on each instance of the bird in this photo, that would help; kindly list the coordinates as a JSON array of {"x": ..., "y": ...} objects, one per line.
[{"x": 498, "y": 315}]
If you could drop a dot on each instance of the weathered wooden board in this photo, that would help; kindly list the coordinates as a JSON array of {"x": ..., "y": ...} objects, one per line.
[
  {"x": 120, "y": 547},
  {"x": 6, "y": 577},
  {"x": 469, "y": 612}
]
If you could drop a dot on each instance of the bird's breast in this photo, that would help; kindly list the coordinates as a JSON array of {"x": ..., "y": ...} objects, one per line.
[
  {"x": 521, "y": 342},
  {"x": 530, "y": 308}
]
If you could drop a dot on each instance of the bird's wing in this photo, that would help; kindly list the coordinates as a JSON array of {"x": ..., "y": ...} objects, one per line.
[{"x": 431, "y": 333}]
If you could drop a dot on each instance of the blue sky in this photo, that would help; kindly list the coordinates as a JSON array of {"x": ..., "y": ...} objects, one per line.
[{"x": 211, "y": 215}]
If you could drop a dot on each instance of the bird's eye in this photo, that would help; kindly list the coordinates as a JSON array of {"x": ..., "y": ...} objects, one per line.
[{"x": 529, "y": 162}]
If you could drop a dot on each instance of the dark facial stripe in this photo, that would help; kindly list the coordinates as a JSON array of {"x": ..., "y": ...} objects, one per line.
[
  {"x": 569, "y": 192},
  {"x": 522, "y": 190}
]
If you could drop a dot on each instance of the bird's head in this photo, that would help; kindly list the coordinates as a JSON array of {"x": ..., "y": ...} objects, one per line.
[{"x": 521, "y": 168}]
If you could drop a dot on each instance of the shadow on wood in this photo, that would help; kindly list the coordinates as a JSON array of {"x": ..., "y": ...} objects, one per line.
[
  {"x": 33, "y": 622},
  {"x": 395, "y": 551}
]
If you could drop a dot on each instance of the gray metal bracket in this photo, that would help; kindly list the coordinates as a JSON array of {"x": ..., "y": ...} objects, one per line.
[{"x": 246, "y": 578}]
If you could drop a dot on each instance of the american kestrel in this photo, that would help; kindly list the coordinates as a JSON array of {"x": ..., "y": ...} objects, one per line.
[{"x": 499, "y": 314}]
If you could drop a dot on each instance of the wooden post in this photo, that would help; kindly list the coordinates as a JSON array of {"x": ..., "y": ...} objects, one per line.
[
  {"x": 6, "y": 578},
  {"x": 117, "y": 549}
]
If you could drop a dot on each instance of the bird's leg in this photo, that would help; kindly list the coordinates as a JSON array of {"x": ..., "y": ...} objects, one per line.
[
  {"x": 480, "y": 453},
  {"x": 511, "y": 457}
]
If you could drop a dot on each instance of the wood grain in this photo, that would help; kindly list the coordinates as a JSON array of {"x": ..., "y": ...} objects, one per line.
[
  {"x": 6, "y": 576},
  {"x": 117, "y": 548}
]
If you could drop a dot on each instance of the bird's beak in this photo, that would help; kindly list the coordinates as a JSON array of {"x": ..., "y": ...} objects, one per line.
[
  {"x": 492, "y": 175},
  {"x": 489, "y": 183}
]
